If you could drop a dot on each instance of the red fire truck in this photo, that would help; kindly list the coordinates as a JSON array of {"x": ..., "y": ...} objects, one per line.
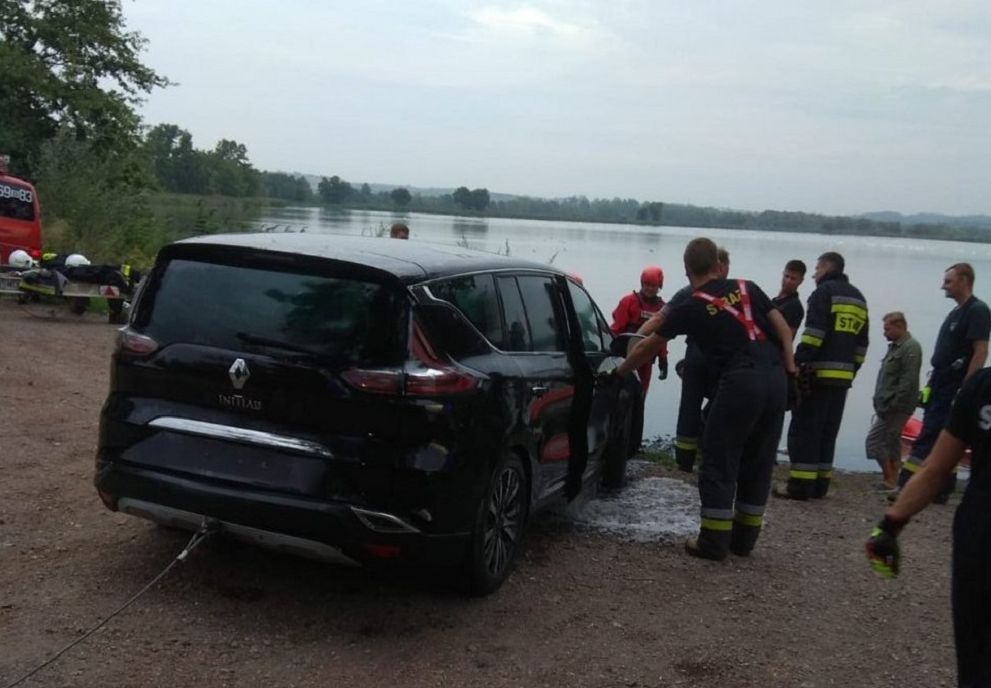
[{"x": 20, "y": 215}]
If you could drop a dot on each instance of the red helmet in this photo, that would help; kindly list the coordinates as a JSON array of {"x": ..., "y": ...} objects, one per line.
[{"x": 652, "y": 275}]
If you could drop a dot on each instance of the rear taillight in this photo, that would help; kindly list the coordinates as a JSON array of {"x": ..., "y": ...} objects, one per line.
[
  {"x": 382, "y": 381},
  {"x": 427, "y": 381},
  {"x": 424, "y": 375},
  {"x": 130, "y": 341},
  {"x": 415, "y": 380},
  {"x": 427, "y": 375}
]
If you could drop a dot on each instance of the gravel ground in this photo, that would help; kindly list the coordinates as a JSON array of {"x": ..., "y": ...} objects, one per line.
[{"x": 590, "y": 604}]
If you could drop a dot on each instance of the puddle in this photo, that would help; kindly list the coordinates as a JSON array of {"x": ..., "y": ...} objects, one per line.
[{"x": 647, "y": 510}]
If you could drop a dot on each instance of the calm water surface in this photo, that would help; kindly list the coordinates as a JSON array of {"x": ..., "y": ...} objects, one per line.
[{"x": 893, "y": 274}]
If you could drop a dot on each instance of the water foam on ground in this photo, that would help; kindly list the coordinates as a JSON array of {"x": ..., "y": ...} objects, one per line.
[{"x": 648, "y": 509}]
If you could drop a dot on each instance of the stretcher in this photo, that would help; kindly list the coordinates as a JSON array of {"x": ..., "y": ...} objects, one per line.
[{"x": 27, "y": 288}]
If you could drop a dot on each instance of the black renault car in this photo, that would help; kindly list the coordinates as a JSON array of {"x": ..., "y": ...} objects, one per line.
[{"x": 375, "y": 398}]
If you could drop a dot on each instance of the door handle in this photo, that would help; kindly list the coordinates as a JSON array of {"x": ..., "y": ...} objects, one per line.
[{"x": 539, "y": 390}]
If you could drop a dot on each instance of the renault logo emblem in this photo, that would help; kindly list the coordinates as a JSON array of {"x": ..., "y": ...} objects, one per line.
[{"x": 239, "y": 373}]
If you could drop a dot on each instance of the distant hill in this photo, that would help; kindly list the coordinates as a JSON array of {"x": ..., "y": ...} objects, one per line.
[{"x": 979, "y": 221}]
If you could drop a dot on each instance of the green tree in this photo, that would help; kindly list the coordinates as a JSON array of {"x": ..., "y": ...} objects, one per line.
[
  {"x": 230, "y": 172},
  {"x": 290, "y": 187},
  {"x": 480, "y": 199},
  {"x": 401, "y": 197},
  {"x": 176, "y": 164},
  {"x": 474, "y": 199},
  {"x": 334, "y": 190},
  {"x": 462, "y": 197},
  {"x": 650, "y": 212},
  {"x": 232, "y": 151},
  {"x": 69, "y": 65}
]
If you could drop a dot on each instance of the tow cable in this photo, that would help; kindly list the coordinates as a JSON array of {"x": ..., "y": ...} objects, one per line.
[{"x": 206, "y": 529}]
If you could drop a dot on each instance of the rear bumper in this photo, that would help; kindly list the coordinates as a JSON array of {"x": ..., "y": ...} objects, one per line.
[
  {"x": 314, "y": 528},
  {"x": 187, "y": 520}
]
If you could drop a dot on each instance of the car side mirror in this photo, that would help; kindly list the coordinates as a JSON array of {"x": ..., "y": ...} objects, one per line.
[{"x": 621, "y": 343}]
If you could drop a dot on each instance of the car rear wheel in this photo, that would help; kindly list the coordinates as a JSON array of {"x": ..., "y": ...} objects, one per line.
[{"x": 498, "y": 529}]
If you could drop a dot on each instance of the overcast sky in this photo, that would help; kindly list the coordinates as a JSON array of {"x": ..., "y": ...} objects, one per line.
[{"x": 835, "y": 106}]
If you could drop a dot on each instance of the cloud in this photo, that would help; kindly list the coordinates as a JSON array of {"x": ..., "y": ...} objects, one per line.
[
  {"x": 528, "y": 21},
  {"x": 802, "y": 105},
  {"x": 970, "y": 84}
]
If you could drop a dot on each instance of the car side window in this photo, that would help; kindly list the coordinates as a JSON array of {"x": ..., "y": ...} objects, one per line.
[
  {"x": 517, "y": 333},
  {"x": 542, "y": 303},
  {"x": 475, "y": 296},
  {"x": 588, "y": 319},
  {"x": 607, "y": 334}
]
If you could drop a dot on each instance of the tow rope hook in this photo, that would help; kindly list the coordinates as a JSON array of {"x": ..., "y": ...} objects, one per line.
[{"x": 208, "y": 527}]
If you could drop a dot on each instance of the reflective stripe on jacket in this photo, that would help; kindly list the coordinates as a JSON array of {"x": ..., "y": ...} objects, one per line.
[{"x": 834, "y": 341}]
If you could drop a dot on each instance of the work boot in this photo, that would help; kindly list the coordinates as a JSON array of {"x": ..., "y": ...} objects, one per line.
[
  {"x": 742, "y": 539},
  {"x": 696, "y": 548},
  {"x": 784, "y": 491},
  {"x": 709, "y": 544},
  {"x": 685, "y": 458},
  {"x": 821, "y": 488}
]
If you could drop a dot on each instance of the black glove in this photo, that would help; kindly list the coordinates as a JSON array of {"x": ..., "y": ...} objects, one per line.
[
  {"x": 662, "y": 369},
  {"x": 608, "y": 371},
  {"x": 882, "y": 547},
  {"x": 804, "y": 379}
]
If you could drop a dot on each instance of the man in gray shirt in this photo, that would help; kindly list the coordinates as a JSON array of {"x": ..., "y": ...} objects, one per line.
[{"x": 895, "y": 396}]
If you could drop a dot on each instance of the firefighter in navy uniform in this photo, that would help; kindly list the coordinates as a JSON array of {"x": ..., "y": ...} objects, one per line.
[
  {"x": 697, "y": 385},
  {"x": 694, "y": 378},
  {"x": 969, "y": 425},
  {"x": 787, "y": 300},
  {"x": 747, "y": 342},
  {"x": 830, "y": 353},
  {"x": 961, "y": 350}
]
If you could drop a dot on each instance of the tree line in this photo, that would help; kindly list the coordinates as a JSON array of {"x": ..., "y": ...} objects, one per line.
[{"x": 657, "y": 213}]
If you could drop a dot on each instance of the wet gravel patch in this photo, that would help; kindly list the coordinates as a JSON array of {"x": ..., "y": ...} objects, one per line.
[{"x": 649, "y": 509}]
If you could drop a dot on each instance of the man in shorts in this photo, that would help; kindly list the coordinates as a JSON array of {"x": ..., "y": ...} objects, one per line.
[{"x": 895, "y": 396}]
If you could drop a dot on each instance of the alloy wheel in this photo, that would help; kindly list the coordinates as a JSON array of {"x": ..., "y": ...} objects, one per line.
[{"x": 503, "y": 521}]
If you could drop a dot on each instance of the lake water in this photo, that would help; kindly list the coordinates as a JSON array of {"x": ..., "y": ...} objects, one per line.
[{"x": 893, "y": 274}]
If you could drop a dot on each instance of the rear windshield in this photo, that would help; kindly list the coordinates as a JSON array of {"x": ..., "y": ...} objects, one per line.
[
  {"x": 253, "y": 309},
  {"x": 16, "y": 202}
]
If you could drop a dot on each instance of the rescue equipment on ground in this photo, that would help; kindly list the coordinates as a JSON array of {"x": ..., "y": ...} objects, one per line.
[
  {"x": 72, "y": 277},
  {"x": 20, "y": 259}
]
